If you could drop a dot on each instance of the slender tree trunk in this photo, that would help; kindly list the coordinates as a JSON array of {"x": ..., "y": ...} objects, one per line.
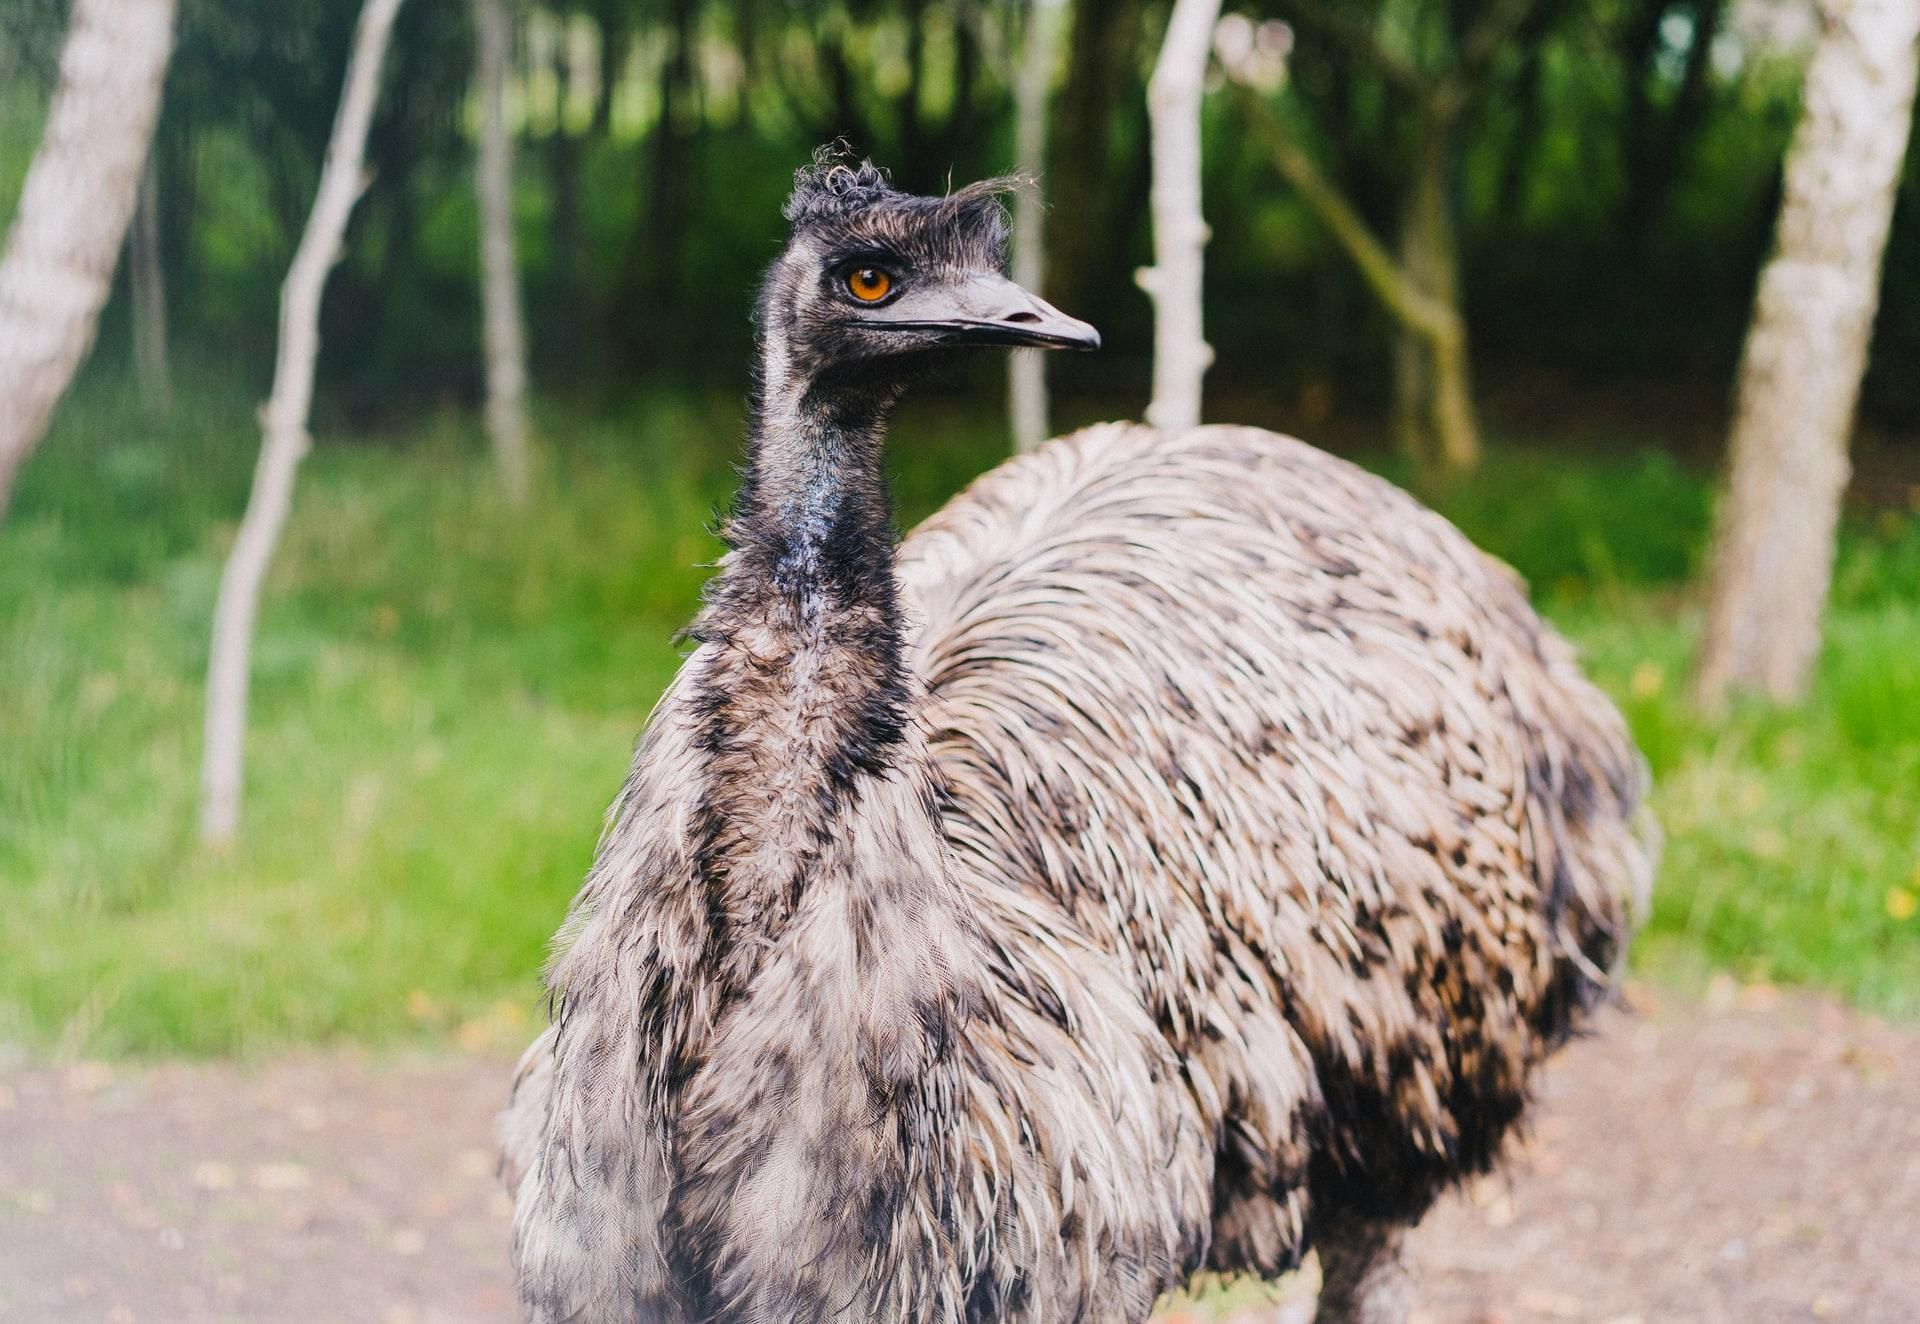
[
  {"x": 1026, "y": 372},
  {"x": 506, "y": 335},
  {"x": 571, "y": 303},
  {"x": 1102, "y": 68},
  {"x": 1805, "y": 353},
  {"x": 571, "y": 310},
  {"x": 1433, "y": 396},
  {"x": 1658, "y": 142},
  {"x": 148, "y": 279},
  {"x": 1174, "y": 93},
  {"x": 610, "y": 19},
  {"x": 72, "y": 217},
  {"x": 906, "y": 107},
  {"x": 650, "y": 274},
  {"x": 284, "y": 441}
]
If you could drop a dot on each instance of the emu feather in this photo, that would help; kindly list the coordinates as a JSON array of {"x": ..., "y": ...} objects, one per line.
[{"x": 1177, "y": 854}]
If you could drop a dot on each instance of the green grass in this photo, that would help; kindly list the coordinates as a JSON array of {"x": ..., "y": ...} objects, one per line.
[{"x": 445, "y": 697}]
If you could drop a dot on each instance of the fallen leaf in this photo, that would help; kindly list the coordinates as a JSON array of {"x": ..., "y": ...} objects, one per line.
[{"x": 1901, "y": 903}]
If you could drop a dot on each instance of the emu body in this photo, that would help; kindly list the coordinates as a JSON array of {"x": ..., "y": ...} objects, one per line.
[{"x": 1177, "y": 854}]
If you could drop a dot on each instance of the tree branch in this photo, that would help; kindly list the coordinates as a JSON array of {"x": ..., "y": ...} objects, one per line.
[
  {"x": 1312, "y": 16},
  {"x": 1397, "y": 291},
  {"x": 1496, "y": 26}
]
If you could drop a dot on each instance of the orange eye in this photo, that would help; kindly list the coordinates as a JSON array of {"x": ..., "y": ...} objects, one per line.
[{"x": 869, "y": 284}]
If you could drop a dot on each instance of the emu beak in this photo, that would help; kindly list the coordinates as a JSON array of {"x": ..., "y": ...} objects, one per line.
[{"x": 984, "y": 308}]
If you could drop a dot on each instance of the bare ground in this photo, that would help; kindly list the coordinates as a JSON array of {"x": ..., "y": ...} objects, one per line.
[{"x": 1755, "y": 1158}]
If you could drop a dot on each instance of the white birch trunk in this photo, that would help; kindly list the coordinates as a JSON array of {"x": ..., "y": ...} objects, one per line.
[
  {"x": 506, "y": 337},
  {"x": 284, "y": 418},
  {"x": 1181, "y": 354},
  {"x": 148, "y": 282},
  {"x": 73, "y": 212},
  {"x": 1026, "y": 369},
  {"x": 1806, "y": 351}
]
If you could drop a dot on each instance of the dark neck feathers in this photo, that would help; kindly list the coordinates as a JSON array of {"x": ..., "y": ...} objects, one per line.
[
  {"x": 804, "y": 693},
  {"x": 813, "y": 523}
]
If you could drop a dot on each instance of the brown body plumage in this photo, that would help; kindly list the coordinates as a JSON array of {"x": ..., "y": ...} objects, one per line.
[{"x": 1182, "y": 862}]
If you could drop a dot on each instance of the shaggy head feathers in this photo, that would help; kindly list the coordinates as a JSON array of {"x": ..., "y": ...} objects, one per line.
[
  {"x": 836, "y": 193},
  {"x": 842, "y": 208},
  {"x": 846, "y": 214}
]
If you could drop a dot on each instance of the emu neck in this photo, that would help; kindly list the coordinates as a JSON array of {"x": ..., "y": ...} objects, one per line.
[
  {"x": 804, "y": 696},
  {"x": 813, "y": 526},
  {"x": 842, "y": 950}
]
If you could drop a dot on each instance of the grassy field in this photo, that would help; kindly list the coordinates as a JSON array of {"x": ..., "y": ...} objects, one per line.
[{"x": 446, "y": 695}]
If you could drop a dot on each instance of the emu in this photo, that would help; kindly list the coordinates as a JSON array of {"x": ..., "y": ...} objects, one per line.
[{"x": 1176, "y": 854}]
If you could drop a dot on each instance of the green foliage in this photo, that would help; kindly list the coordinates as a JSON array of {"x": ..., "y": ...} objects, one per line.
[
  {"x": 446, "y": 695},
  {"x": 443, "y": 699},
  {"x": 1577, "y": 523},
  {"x": 1611, "y": 213},
  {"x": 1793, "y": 839}
]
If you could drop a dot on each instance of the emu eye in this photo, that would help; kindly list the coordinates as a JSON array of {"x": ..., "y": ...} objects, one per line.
[{"x": 868, "y": 284}]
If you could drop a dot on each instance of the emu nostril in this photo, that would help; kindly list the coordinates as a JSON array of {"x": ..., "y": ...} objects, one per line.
[{"x": 1023, "y": 317}]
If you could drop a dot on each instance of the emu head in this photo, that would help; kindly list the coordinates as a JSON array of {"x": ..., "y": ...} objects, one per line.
[{"x": 874, "y": 281}]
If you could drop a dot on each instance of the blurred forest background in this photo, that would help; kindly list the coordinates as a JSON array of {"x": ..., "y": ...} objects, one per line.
[{"x": 446, "y": 684}]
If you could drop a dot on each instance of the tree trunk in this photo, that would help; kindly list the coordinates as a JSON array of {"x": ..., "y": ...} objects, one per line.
[
  {"x": 73, "y": 212},
  {"x": 148, "y": 279},
  {"x": 1026, "y": 372},
  {"x": 1102, "y": 68},
  {"x": 1658, "y": 139},
  {"x": 1180, "y": 350},
  {"x": 284, "y": 440},
  {"x": 906, "y": 107},
  {"x": 506, "y": 335},
  {"x": 570, "y": 304},
  {"x": 1433, "y": 395},
  {"x": 610, "y": 19},
  {"x": 1805, "y": 353}
]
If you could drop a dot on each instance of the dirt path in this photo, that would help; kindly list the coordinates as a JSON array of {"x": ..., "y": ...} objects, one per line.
[{"x": 1754, "y": 1160}]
